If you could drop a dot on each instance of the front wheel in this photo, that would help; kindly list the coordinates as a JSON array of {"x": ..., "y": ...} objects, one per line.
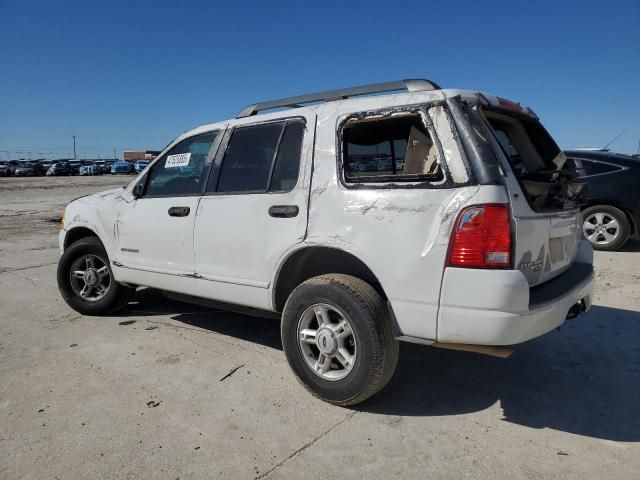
[
  {"x": 337, "y": 337},
  {"x": 86, "y": 281},
  {"x": 606, "y": 227}
]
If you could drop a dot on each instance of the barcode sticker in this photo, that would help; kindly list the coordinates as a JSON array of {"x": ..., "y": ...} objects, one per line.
[{"x": 178, "y": 160}]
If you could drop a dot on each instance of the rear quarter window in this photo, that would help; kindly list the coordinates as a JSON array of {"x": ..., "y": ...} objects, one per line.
[
  {"x": 389, "y": 149},
  {"x": 593, "y": 167}
]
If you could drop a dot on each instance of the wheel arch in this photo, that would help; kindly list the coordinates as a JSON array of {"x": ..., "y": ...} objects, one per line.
[
  {"x": 77, "y": 233},
  {"x": 310, "y": 261}
]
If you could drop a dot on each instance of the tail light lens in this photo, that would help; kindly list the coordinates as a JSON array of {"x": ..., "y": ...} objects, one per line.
[{"x": 481, "y": 238}]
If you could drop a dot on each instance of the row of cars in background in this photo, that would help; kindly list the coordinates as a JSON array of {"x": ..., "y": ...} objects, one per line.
[{"x": 32, "y": 168}]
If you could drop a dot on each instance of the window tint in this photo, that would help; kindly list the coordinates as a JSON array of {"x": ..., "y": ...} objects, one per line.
[
  {"x": 179, "y": 171},
  {"x": 285, "y": 170},
  {"x": 262, "y": 157},
  {"x": 391, "y": 149},
  {"x": 594, "y": 168},
  {"x": 248, "y": 159}
]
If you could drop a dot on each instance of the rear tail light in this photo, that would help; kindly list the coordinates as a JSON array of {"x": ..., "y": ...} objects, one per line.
[{"x": 481, "y": 238}]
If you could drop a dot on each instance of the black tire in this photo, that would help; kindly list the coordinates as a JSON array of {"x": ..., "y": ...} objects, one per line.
[
  {"x": 377, "y": 349},
  {"x": 624, "y": 227},
  {"x": 117, "y": 295}
]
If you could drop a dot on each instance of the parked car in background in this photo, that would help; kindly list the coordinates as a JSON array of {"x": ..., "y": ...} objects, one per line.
[
  {"x": 612, "y": 213},
  {"x": 74, "y": 167},
  {"x": 12, "y": 166},
  {"x": 58, "y": 168},
  {"x": 122, "y": 167},
  {"x": 25, "y": 169},
  {"x": 140, "y": 165},
  {"x": 455, "y": 239},
  {"x": 90, "y": 170},
  {"x": 5, "y": 169},
  {"x": 41, "y": 167}
]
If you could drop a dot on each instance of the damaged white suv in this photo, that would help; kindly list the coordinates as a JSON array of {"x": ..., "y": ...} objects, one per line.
[{"x": 364, "y": 217}]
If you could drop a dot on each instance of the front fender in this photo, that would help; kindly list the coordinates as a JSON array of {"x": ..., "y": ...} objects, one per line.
[{"x": 96, "y": 213}]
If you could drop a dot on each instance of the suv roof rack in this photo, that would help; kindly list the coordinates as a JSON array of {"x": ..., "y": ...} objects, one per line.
[{"x": 410, "y": 85}]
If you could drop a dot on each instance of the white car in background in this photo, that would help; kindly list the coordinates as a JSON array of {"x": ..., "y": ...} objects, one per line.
[{"x": 468, "y": 235}]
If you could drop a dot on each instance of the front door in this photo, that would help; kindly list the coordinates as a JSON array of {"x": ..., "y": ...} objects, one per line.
[
  {"x": 155, "y": 231},
  {"x": 255, "y": 208}
]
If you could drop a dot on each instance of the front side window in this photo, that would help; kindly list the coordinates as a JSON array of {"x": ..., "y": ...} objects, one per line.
[
  {"x": 180, "y": 171},
  {"x": 261, "y": 158},
  {"x": 391, "y": 149}
]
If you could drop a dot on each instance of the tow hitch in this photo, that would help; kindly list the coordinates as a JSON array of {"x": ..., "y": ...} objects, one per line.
[{"x": 576, "y": 310}]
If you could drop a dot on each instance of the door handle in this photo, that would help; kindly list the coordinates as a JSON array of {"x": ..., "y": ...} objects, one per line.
[
  {"x": 283, "y": 211},
  {"x": 179, "y": 211}
]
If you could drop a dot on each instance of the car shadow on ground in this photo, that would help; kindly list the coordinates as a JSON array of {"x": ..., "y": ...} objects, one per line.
[
  {"x": 631, "y": 246},
  {"x": 583, "y": 378}
]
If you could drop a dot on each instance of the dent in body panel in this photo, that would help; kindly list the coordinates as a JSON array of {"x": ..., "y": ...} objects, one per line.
[
  {"x": 442, "y": 233},
  {"x": 97, "y": 213}
]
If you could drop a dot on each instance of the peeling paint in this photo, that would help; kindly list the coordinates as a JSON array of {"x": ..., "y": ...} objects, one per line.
[
  {"x": 463, "y": 197},
  {"x": 450, "y": 145}
]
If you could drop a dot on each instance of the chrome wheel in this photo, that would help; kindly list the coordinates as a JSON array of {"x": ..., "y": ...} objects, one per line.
[
  {"x": 601, "y": 228},
  {"x": 90, "y": 278},
  {"x": 327, "y": 341}
]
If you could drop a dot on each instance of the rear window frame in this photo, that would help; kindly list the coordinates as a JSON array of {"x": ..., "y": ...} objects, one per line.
[{"x": 421, "y": 109}]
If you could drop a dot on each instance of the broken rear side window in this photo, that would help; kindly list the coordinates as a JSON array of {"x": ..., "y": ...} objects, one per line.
[{"x": 391, "y": 149}]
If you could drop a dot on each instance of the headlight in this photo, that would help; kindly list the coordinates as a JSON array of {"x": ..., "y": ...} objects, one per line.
[{"x": 62, "y": 220}]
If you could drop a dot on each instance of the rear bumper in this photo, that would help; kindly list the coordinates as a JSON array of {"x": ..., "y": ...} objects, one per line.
[{"x": 497, "y": 307}]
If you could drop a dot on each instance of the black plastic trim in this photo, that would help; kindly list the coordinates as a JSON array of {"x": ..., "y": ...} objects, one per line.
[
  {"x": 478, "y": 152},
  {"x": 561, "y": 285}
]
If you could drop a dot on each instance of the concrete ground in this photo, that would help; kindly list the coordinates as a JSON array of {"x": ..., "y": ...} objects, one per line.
[{"x": 169, "y": 390}]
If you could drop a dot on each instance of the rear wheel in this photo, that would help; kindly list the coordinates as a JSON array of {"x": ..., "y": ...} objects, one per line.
[
  {"x": 337, "y": 337},
  {"x": 606, "y": 227},
  {"x": 86, "y": 282}
]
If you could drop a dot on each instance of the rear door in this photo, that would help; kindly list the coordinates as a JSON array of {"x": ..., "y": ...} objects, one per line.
[
  {"x": 255, "y": 207},
  {"x": 546, "y": 236}
]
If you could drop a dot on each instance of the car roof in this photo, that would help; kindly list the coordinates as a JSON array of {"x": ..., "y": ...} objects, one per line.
[{"x": 603, "y": 155}]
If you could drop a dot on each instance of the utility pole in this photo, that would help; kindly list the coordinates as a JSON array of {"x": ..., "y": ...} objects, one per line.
[
  {"x": 114, "y": 154},
  {"x": 74, "y": 147}
]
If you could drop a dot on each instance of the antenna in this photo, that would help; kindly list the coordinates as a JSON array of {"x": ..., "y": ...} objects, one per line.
[{"x": 614, "y": 139}]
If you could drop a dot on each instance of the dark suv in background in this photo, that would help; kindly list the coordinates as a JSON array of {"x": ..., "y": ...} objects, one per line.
[{"x": 612, "y": 212}]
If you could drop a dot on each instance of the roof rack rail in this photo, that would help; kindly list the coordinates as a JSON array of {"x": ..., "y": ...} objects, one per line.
[{"x": 411, "y": 85}]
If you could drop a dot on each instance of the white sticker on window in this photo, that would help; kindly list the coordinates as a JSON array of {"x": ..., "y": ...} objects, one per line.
[{"x": 178, "y": 160}]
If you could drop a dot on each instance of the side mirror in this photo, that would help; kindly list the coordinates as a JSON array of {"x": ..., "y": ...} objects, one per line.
[{"x": 137, "y": 190}]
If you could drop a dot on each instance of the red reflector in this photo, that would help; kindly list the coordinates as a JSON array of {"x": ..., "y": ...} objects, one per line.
[
  {"x": 503, "y": 102},
  {"x": 481, "y": 238}
]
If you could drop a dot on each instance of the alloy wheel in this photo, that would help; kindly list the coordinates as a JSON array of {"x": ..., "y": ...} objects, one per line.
[
  {"x": 90, "y": 277},
  {"x": 327, "y": 341},
  {"x": 601, "y": 228}
]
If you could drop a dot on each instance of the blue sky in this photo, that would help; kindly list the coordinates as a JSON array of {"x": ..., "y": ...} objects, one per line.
[{"x": 135, "y": 74}]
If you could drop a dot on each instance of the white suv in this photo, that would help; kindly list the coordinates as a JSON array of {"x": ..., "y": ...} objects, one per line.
[{"x": 364, "y": 217}]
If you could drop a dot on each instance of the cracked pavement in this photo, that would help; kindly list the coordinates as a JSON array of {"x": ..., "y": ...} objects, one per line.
[{"x": 171, "y": 390}]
